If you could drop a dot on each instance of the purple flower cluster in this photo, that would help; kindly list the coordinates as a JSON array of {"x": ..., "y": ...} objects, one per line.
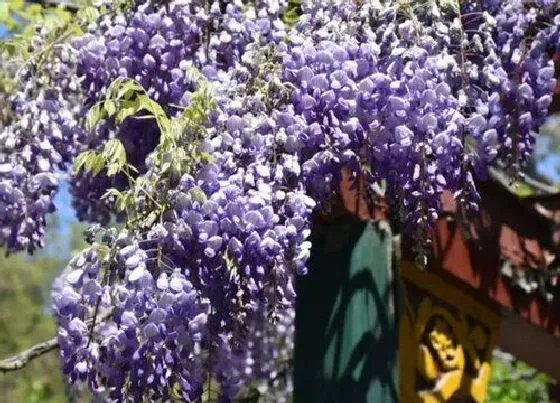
[
  {"x": 158, "y": 47},
  {"x": 35, "y": 146},
  {"x": 527, "y": 89},
  {"x": 423, "y": 98},
  {"x": 149, "y": 340}
]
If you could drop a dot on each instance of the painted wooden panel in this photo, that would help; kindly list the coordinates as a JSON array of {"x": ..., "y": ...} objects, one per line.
[{"x": 446, "y": 341}]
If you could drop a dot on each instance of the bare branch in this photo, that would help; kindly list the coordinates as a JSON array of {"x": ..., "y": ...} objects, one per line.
[{"x": 20, "y": 360}]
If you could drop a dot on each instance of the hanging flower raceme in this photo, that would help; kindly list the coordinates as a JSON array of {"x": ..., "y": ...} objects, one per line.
[{"x": 216, "y": 129}]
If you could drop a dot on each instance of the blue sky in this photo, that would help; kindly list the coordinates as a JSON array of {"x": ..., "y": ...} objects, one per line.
[
  {"x": 63, "y": 201},
  {"x": 548, "y": 164}
]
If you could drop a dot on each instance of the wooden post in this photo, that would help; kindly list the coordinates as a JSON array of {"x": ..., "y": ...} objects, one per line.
[{"x": 346, "y": 333}]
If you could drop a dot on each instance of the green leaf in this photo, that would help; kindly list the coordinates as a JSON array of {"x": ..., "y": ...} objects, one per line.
[
  {"x": 75, "y": 29},
  {"x": 128, "y": 89},
  {"x": 113, "y": 169},
  {"x": 198, "y": 195},
  {"x": 471, "y": 145},
  {"x": 193, "y": 74},
  {"x": 211, "y": 391},
  {"x": 127, "y": 109},
  {"x": 95, "y": 114},
  {"x": 110, "y": 107},
  {"x": 141, "y": 183},
  {"x": 102, "y": 251},
  {"x": 34, "y": 9},
  {"x": 90, "y": 161},
  {"x": 17, "y": 4},
  {"x": 80, "y": 161},
  {"x": 176, "y": 128},
  {"x": 97, "y": 165},
  {"x": 205, "y": 158},
  {"x": 5, "y": 13},
  {"x": 115, "y": 156},
  {"x": 120, "y": 202},
  {"x": 176, "y": 392},
  {"x": 132, "y": 168},
  {"x": 130, "y": 201},
  {"x": 114, "y": 153},
  {"x": 88, "y": 14},
  {"x": 165, "y": 167},
  {"x": 112, "y": 193},
  {"x": 124, "y": 88},
  {"x": 450, "y": 4},
  {"x": 8, "y": 48},
  {"x": 293, "y": 12},
  {"x": 164, "y": 123},
  {"x": 230, "y": 263}
]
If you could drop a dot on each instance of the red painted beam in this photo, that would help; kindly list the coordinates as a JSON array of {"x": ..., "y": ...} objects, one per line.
[{"x": 506, "y": 229}]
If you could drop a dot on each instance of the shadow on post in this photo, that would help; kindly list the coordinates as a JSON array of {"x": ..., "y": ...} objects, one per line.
[{"x": 346, "y": 333}]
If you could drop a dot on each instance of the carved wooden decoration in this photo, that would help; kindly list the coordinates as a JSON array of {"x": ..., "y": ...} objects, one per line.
[{"x": 446, "y": 341}]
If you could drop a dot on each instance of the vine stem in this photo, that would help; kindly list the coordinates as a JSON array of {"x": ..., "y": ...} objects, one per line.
[
  {"x": 464, "y": 157},
  {"x": 40, "y": 53},
  {"x": 422, "y": 205},
  {"x": 207, "y": 30},
  {"x": 98, "y": 302},
  {"x": 132, "y": 183}
]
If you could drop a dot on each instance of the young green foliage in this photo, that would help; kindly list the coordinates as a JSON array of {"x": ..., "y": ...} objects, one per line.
[
  {"x": 175, "y": 154},
  {"x": 293, "y": 12}
]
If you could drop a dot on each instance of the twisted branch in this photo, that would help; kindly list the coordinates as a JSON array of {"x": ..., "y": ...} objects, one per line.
[{"x": 20, "y": 360}]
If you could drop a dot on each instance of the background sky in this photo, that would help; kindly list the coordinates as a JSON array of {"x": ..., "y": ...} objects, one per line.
[{"x": 548, "y": 166}]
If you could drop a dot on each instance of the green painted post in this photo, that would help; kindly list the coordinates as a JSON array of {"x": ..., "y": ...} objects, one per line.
[{"x": 346, "y": 330}]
